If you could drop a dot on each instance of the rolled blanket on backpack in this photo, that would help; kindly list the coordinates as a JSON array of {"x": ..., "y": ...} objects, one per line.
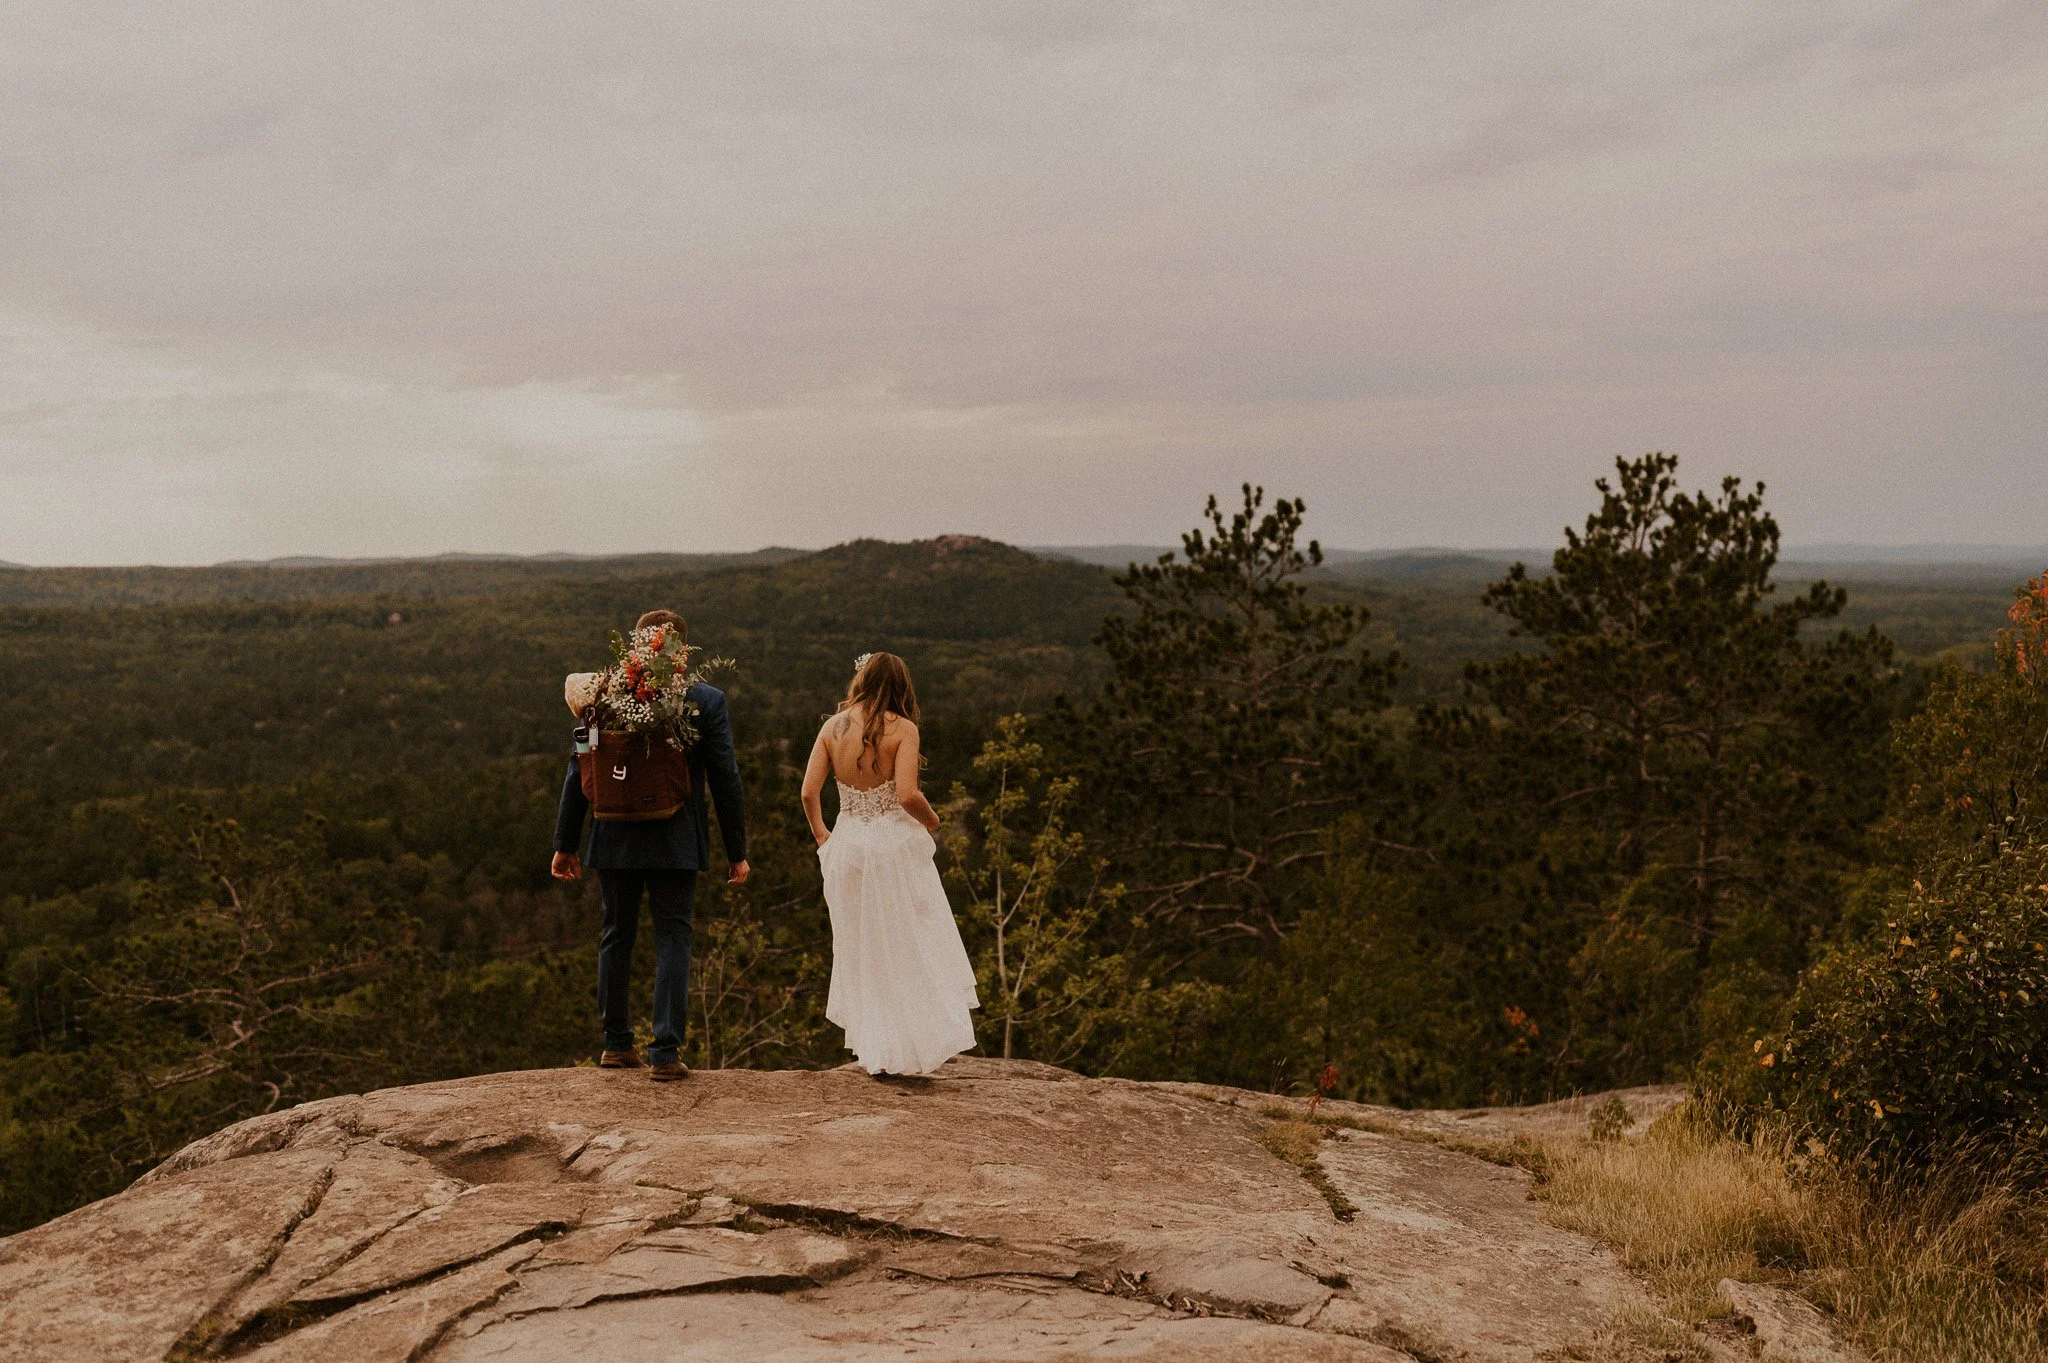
[{"x": 580, "y": 690}]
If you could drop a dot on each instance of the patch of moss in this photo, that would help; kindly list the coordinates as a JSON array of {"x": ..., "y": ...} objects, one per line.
[{"x": 1297, "y": 1142}]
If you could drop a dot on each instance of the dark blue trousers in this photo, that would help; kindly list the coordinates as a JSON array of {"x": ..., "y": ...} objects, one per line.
[{"x": 670, "y": 895}]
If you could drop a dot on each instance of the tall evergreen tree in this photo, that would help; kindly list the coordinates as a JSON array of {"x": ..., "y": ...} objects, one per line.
[
  {"x": 1677, "y": 736},
  {"x": 1236, "y": 725}
]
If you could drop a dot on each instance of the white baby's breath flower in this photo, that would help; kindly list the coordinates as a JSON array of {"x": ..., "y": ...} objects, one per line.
[{"x": 668, "y": 710}]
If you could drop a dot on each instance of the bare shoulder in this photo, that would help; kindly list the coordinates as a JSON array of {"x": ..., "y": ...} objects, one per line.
[{"x": 900, "y": 727}]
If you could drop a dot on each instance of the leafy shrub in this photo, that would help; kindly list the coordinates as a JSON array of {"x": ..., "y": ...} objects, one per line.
[
  {"x": 1929, "y": 1034},
  {"x": 1610, "y": 1120}
]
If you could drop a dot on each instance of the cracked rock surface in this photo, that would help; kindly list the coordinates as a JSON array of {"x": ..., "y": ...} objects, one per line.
[{"x": 998, "y": 1210}]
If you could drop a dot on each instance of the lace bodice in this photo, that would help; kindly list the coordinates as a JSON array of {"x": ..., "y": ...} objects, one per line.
[{"x": 873, "y": 803}]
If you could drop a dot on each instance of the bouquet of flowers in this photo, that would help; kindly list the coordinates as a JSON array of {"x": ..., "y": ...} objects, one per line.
[{"x": 646, "y": 690}]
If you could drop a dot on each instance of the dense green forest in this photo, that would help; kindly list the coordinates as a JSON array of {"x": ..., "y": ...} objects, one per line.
[{"x": 273, "y": 832}]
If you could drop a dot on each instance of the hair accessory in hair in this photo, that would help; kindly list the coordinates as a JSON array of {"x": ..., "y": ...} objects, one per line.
[{"x": 861, "y": 662}]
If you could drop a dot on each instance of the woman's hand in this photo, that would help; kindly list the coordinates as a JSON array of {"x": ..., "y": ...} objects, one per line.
[{"x": 814, "y": 783}]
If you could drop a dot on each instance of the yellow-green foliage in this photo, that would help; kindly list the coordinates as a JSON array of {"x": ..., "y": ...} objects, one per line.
[{"x": 1928, "y": 1035}]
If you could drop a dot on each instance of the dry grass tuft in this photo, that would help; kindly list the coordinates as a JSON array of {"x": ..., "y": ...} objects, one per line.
[
  {"x": 1294, "y": 1141},
  {"x": 1642, "y": 1337},
  {"x": 1685, "y": 1209},
  {"x": 1952, "y": 1268},
  {"x": 1298, "y": 1142},
  {"x": 1948, "y": 1269},
  {"x": 1518, "y": 1153}
]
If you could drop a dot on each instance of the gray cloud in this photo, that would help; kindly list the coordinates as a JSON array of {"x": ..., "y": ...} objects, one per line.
[{"x": 374, "y": 277}]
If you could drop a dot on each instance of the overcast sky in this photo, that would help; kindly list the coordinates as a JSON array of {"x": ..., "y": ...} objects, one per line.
[{"x": 413, "y": 276}]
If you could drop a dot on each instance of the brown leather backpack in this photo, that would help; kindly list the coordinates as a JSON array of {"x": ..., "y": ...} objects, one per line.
[{"x": 630, "y": 778}]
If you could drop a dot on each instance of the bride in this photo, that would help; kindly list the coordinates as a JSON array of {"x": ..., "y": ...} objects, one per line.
[{"x": 901, "y": 984}]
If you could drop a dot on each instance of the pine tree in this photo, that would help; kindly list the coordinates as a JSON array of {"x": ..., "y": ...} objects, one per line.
[
  {"x": 1236, "y": 725},
  {"x": 1676, "y": 738}
]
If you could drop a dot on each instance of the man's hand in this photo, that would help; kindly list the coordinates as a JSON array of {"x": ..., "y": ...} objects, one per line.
[
  {"x": 566, "y": 866},
  {"x": 740, "y": 871}
]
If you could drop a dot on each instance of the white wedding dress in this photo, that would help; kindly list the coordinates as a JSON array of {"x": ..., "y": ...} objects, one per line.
[{"x": 901, "y": 983}]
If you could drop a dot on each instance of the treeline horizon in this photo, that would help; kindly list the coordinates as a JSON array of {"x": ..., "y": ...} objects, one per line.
[
  {"x": 1471, "y": 837},
  {"x": 1853, "y": 555}
]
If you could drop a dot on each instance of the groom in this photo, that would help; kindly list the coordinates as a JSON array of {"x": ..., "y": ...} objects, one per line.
[{"x": 660, "y": 859}]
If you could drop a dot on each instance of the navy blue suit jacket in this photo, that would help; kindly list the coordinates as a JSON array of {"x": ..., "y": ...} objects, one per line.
[{"x": 681, "y": 843}]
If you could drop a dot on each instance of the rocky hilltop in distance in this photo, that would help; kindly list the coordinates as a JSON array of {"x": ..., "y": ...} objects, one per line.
[{"x": 998, "y": 1210}]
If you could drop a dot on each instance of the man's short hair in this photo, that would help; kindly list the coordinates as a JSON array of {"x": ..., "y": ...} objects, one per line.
[{"x": 669, "y": 618}]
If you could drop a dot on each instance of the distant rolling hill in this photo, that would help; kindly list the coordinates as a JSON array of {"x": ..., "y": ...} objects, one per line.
[
  {"x": 1980, "y": 572},
  {"x": 227, "y": 691},
  {"x": 770, "y": 554},
  {"x": 1925, "y": 565},
  {"x": 302, "y": 579},
  {"x": 958, "y": 592},
  {"x": 1906, "y": 554},
  {"x": 1389, "y": 565}
]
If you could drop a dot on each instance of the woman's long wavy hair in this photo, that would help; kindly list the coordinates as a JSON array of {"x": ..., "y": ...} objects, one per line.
[{"x": 881, "y": 688}]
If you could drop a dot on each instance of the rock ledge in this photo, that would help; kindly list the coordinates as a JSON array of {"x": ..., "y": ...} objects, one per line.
[{"x": 999, "y": 1210}]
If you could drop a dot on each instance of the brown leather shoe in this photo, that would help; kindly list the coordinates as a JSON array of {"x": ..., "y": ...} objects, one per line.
[
  {"x": 669, "y": 1073},
  {"x": 619, "y": 1060}
]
